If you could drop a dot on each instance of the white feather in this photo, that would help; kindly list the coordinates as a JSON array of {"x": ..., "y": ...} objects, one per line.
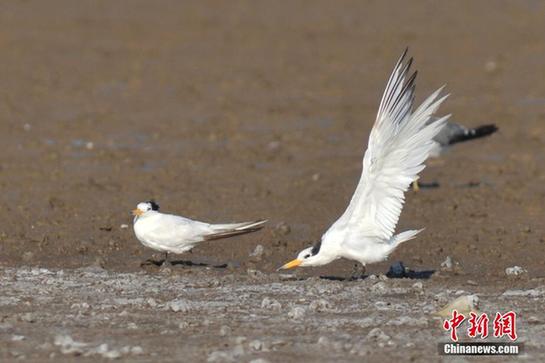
[{"x": 399, "y": 144}]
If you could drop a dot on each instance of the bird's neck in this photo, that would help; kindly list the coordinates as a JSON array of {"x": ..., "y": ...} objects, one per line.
[{"x": 323, "y": 258}]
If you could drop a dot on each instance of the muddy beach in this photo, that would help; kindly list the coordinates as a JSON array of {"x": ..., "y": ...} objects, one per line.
[{"x": 232, "y": 112}]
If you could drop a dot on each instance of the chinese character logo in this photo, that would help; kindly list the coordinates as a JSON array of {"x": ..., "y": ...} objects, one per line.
[
  {"x": 504, "y": 325},
  {"x": 478, "y": 325},
  {"x": 453, "y": 324}
]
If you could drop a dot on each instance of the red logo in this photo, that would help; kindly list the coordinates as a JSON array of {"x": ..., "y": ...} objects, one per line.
[
  {"x": 478, "y": 325},
  {"x": 453, "y": 324},
  {"x": 504, "y": 324}
]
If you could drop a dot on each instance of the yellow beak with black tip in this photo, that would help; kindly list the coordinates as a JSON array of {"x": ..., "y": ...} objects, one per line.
[
  {"x": 137, "y": 212},
  {"x": 291, "y": 264}
]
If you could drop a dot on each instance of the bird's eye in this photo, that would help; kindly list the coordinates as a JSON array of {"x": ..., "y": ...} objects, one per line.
[{"x": 307, "y": 256}]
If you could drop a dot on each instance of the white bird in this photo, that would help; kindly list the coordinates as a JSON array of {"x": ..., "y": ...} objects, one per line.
[
  {"x": 399, "y": 144},
  {"x": 175, "y": 234},
  {"x": 454, "y": 133}
]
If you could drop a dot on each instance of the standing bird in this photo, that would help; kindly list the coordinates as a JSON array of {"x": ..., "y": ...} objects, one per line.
[
  {"x": 454, "y": 133},
  {"x": 174, "y": 234},
  {"x": 399, "y": 144}
]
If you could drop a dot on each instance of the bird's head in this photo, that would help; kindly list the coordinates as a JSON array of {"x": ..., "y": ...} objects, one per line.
[
  {"x": 144, "y": 207},
  {"x": 311, "y": 256}
]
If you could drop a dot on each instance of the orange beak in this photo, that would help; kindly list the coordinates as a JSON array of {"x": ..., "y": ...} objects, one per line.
[
  {"x": 137, "y": 212},
  {"x": 291, "y": 264}
]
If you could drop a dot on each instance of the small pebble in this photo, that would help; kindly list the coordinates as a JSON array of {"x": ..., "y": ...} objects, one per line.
[
  {"x": 515, "y": 271},
  {"x": 297, "y": 312},
  {"x": 287, "y": 277},
  {"x": 449, "y": 265},
  {"x": 320, "y": 305},
  {"x": 379, "y": 287},
  {"x": 137, "y": 350},
  {"x": 271, "y": 304},
  {"x": 220, "y": 357},
  {"x": 28, "y": 318},
  {"x": 178, "y": 306},
  {"x": 282, "y": 228},
  {"x": 183, "y": 325},
  {"x": 256, "y": 345},
  {"x": 225, "y": 330},
  {"x": 323, "y": 341},
  {"x": 151, "y": 302},
  {"x": 258, "y": 252},
  {"x": 273, "y": 145},
  {"x": 240, "y": 339},
  {"x": 490, "y": 66},
  {"x": 377, "y": 334}
]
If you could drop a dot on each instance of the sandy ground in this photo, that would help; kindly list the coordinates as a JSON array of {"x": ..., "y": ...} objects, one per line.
[
  {"x": 231, "y": 111},
  {"x": 199, "y": 315}
]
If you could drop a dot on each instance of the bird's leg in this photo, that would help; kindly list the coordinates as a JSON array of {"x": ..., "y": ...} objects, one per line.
[
  {"x": 166, "y": 262},
  {"x": 358, "y": 271},
  {"x": 415, "y": 186}
]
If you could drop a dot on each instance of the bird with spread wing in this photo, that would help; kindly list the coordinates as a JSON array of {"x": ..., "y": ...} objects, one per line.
[{"x": 399, "y": 144}]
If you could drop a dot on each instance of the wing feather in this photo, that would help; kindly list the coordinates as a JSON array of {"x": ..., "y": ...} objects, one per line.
[{"x": 399, "y": 144}]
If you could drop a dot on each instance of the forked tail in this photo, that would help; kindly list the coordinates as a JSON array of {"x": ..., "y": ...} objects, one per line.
[
  {"x": 405, "y": 236},
  {"x": 234, "y": 229}
]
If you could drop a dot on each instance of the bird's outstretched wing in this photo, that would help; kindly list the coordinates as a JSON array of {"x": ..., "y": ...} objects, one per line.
[{"x": 399, "y": 143}]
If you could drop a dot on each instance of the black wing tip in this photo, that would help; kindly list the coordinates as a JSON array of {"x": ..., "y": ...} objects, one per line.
[
  {"x": 412, "y": 78},
  {"x": 405, "y": 52},
  {"x": 401, "y": 59}
]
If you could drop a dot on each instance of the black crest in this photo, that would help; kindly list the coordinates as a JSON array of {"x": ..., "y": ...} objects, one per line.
[
  {"x": 154, "y": 206},
  {"x": 316, "y": 248}
]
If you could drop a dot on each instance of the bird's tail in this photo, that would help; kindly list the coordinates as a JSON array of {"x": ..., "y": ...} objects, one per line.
[
  {"x": 404, "y": 236},
  {"x": 234, "y": 229},
  {"x": 474, "y": 133}
]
